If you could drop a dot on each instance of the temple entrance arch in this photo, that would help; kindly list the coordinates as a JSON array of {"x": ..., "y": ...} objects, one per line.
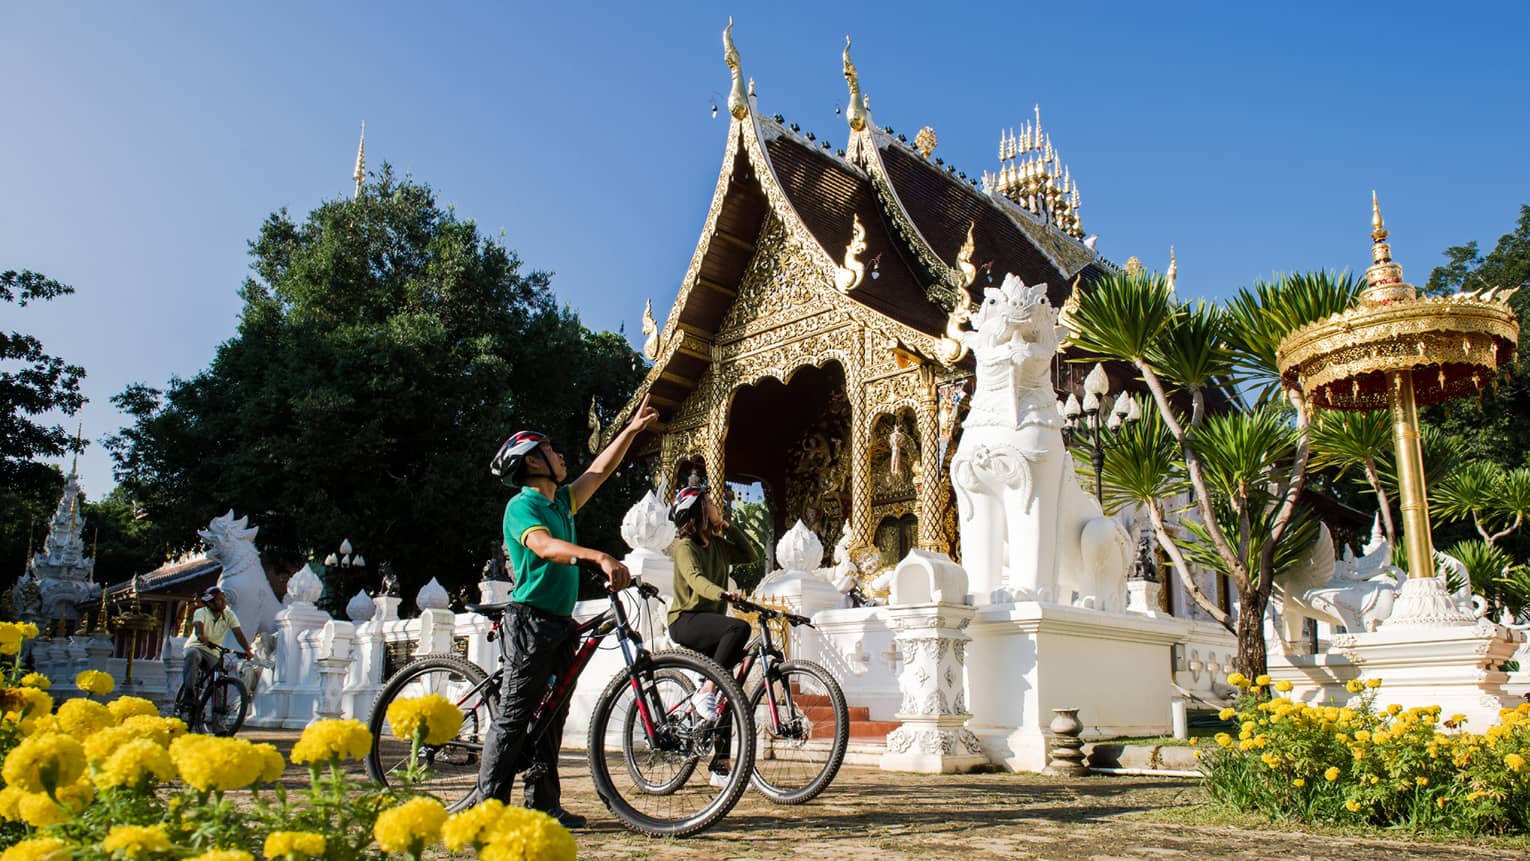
[{"x": 795, "y": 439}]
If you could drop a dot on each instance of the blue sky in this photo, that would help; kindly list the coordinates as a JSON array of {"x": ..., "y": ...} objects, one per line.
[{"x": 144, "y": 144}]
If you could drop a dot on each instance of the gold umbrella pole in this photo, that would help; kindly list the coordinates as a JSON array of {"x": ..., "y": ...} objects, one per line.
[{"x": 1410, "y": 477}]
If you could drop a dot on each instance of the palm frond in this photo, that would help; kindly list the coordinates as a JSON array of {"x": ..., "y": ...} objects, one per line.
[
  {"x": 1262, "y": 316},
  {"x": 1240, "y": 452},
  {"x": 1191, "y": 349},
  {"x": 1120, "y": 316},
  {"x": 1142, "y": 462},
  {"x": 1295, "y": 542}
]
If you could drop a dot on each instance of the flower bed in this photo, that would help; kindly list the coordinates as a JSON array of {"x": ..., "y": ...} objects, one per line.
[
  {"x": 1361, "y": 764},
  {"x": 119, "y": 782}
]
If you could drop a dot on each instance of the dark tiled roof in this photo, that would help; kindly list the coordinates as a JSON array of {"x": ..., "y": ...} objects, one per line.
[
  {"x": 942, "y": 207},
  {"x": 827, "y": 194}
]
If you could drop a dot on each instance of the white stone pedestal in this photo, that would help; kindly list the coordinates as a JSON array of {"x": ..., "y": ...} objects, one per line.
[
  {"x": 1028, "y": 658},
  {"x": 927, "y": 618},
  {"x": 1431, "y": 652}
]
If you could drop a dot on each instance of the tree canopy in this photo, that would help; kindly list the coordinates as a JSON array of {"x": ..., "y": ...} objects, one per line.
[{"x": 384, "y": 350}]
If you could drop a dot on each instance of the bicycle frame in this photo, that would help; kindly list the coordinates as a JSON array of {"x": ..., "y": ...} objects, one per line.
[{"x": 763, "y": 651}]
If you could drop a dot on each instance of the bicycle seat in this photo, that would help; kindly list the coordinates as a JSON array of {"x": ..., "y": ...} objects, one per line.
[{"x": 493, "y": 611}]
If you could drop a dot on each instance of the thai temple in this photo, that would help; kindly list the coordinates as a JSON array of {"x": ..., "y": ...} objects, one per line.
[{"x": 59, "y": 580}]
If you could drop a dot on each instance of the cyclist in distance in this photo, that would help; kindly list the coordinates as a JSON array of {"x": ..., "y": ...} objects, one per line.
[
  {"x": 538, "y": 642},
  {"x": 706, "y": 546},
  {"x": 211, "y": 625}
]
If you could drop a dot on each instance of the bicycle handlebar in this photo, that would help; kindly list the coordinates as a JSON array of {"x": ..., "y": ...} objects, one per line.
[
  {"x": 647, "y": 591},
  {"x": 768, "y": 613}
]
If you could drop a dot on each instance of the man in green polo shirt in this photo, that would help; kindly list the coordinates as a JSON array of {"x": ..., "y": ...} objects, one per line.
[{"x": 537, "y": 642}]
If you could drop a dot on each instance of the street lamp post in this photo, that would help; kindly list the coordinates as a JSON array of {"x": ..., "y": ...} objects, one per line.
[
  {"x": 342, "y": 563},
  {"x": 1086, "y": 417}
]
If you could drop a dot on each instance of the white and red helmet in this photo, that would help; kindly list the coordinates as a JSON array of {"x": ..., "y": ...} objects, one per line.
[
  {"x": 512, "y": 453},
  {"x": 687, "y": 501}
]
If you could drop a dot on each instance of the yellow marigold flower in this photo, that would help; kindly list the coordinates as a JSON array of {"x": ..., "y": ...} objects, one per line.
[
  {"x": 333, "y": 740},
  {"x": 1262, "y": 681},
  {"x": 469, "y": 829},
  {"x": 83, "y": 718},
  {"x": 37, "y": 849},
  {"x": 206, "y": 763},
  {"x": 1354, "y": 686},
  {"x": 1270, "y": 759},
  {"x": 24, "y": 703},
  {"x": 10, "y": 638},
  {"x": 1223, "y": 739},
  {"x": 104, "y": 743},
  {"x": 294, "y": 844},
  {"x": 1421, "y": 780},
  {"x": 1299, "y": 782},
  {"x": 433, "y": 714},
  {"x": 36, "y": 680},
  {"x": 1373, "y": 683},
  {"x": 1352, "y": 806},
  {"x": 1283, "y": 686},
  {"x": 136, "y": 841},
  {"x": 10, "y": 803},
  {"x": 1246, "y": 745},
  {"x": 1375, "y": 780},
  {"x": 156, "y": 729},
  {"x": 135, "y": 763},
  {"x": 1362, "y": 735},
  {"x": 39, "y": 811},
  {"x": 411, "y": 826},
  {"x": 1393, "y": 709},
  {"x": 272, "y": 765},
  {"x": 220, "y": 855},
  {"x": 1237, "y": 680},
  {"x": 1514, "y": 761},
  {"x": 43, "y": 763},
  {"x": 1226, "y": 714},
  {"x": 95, "y": 682},
  {"x": 1331, "y": 774},
  {"x": 123, "y": 708},
  {"x": 522, "y": 833},
  {"x": 1380, "y": 736}
]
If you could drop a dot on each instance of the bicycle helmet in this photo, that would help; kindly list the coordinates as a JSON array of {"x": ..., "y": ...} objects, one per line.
[
  {"x": 687, "y": 502},
  {"x": 512, "y": 453}
]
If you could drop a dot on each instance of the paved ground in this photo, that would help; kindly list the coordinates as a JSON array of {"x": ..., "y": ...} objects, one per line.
[{"x": 871, "y": 814}]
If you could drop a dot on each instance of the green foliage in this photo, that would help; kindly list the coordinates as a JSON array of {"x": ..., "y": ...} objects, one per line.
[
  {"x": 32, "y": 384},
  {"x": 1260, "y": 317},
  {"x": 1121, "y": 316},
  {"x": 1344, "y": 440},
  {"x": 1142, "y": 463},
  {"x": 753, "y": 519},
  {"x": 1495, "y": 499},
  {"x": 1190, "y": 351},
  {"x": 385, "y": 350},
  {"x": 1493, "y": 574}
]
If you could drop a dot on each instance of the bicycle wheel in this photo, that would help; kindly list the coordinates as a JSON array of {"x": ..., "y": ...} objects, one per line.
[
  {"x": 680, "y": 740},
  {"x": 798, "y": 747},
  {"x": 224, "y": 706},
  {"x": 450, "y": 770},
  {"x": 645, "y": 767}
]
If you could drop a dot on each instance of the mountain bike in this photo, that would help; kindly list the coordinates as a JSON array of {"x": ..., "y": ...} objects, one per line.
[
  {"x": 220, "y": 702},
  {"x": 645, "y": 738},
  {"x": 801, "y": 720}
]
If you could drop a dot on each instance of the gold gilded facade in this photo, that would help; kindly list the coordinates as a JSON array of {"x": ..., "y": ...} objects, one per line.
[{"x": 812, "y": 333}]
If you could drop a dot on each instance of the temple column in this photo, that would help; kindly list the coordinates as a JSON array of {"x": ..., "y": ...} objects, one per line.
[
  {"x": 861, "y": 420},
  {"x": 931, "y": 483}
]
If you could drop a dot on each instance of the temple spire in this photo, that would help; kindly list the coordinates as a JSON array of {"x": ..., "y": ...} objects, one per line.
[
  {"x": 738, "y": 99},
  {"x": 361, "y": 160},
  {"x": 858, "y": 113},
  {"x": 74, "y": 464},
  {"x": 1384, "y": 279}
]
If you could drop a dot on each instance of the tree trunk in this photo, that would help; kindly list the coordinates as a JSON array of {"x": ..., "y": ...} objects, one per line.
[{"x": 1252, "y": 660}]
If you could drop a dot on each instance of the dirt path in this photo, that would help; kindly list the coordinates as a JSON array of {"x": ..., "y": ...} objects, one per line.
[{"x": 872, "y": 815}]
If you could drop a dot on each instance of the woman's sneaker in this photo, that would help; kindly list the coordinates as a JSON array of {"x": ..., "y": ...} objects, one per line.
[
  {"x": 718, "y": 779},
  {"x": 705, "y": 705}
]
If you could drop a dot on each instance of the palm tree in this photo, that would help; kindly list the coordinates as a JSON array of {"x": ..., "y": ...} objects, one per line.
[
  {"x": 1342, "y": 440},
  {"x": 1494, "y": 499},
  {"x": 1245, "y": 472}
]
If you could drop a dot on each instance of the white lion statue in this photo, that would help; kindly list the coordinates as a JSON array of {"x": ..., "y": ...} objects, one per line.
[
  {"x": 1028, "y": 530},
  {"x": 231, "y": 543}
]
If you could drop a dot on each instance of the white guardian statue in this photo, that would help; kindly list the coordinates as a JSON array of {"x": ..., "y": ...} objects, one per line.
[
  {"x": 231, "y": 543},
  {"x": 1029, "y": 532}
]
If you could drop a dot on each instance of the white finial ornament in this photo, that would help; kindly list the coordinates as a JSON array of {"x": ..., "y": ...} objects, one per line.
[
  {"x": 304, "y": 587},
  {"x": 432, "y": 596},
  {"x": 646, "y": 525},
  {"x": 361, "y": 607},
  {"x": 799, "y": 549},
  {"x": 361, "y": 160}
]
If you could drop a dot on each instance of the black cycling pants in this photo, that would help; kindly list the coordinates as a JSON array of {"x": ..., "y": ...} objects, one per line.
[
  {"x": 721, "y": 638},
  {"x": 537, "y": 647}
]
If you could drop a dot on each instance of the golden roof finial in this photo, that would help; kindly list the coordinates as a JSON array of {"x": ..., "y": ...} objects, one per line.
[
  {"x": 1133, "y": 266},
  {"x": 858, "y": 113},
  {"x": 738, "y": 100},
  {"x": 926, "y": 141},
  {"x": 361, "y": 160},
  {"x": 1384, "y": 279},
  {"x": 964, "y": 258}
]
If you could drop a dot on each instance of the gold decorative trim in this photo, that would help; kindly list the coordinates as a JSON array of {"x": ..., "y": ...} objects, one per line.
[{"x": 848, "y": 277}]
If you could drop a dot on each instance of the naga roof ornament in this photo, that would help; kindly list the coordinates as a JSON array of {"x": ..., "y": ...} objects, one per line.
[{"x": 738, "y": 99}]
